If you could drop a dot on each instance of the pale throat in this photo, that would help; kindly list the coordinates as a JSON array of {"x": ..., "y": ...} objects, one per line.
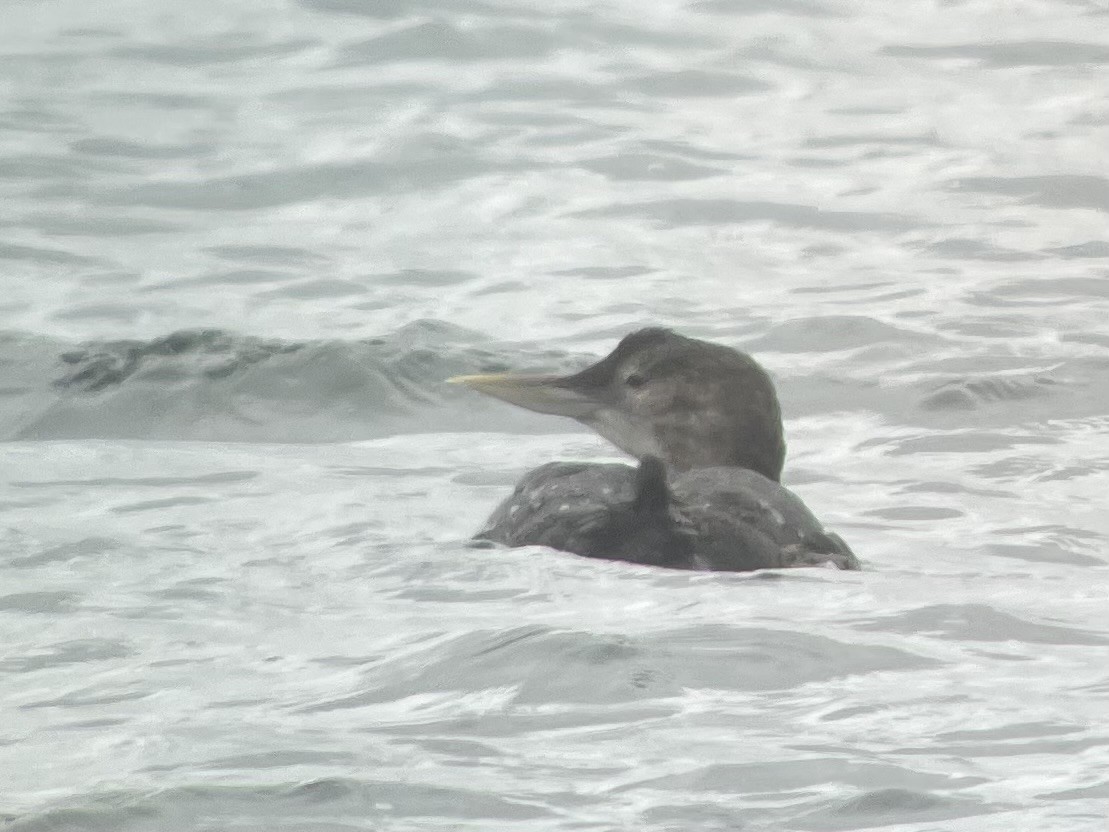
[{"x": 626, "y": 432}]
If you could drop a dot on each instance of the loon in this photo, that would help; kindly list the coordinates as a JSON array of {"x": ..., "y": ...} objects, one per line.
[{"x": 704, "y": 422}]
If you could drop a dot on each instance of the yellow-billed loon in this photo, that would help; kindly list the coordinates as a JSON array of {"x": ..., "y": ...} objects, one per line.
[{"x": 704, "y": 422}]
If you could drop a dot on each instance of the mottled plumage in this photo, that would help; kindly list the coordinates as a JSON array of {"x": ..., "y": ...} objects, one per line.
[
  {"x": 704, "y": 414},
  {"x": 727, "y": 519}
]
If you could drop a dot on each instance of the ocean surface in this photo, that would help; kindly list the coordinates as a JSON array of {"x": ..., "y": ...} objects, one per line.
[{"x": 243, "y": 245}]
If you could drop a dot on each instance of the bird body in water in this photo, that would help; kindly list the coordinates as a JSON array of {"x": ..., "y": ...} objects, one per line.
[{"x": 705, "y": 424}]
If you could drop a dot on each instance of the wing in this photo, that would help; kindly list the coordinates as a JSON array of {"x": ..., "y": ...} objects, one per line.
[
  {"x": 614, "y": 512},
  {"x": 721, "y": 518},
  {"x": 554, "y": 503},
  {"x": 746, "y": 521}
]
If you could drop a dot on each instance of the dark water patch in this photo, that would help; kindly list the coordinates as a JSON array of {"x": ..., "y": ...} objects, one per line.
[
  {"x": 233, "y": 50},
  {"x": 40, "y": 166},
  {"x": 573, "y": 138},
  {"x": 1063, "y": 473},
  {"x": 102, "y": 225},
  {"x": 1091, "y": 249},
  {"x": 1014, "y": 54},
  {"x": 1089, "y": 118},
  {"x": 1098, "y": 791},
  {"x": 1057, "y": 191},
  {"x": 421, "y": 278},
  {"x": 50, "y": 62},
  {"x": 827, "y": 333},
  {"x": 814, "y": 162},
  {"x": 1042, "y": 553},
  {"x": 1094, "y": 338},
  {"x": 857, "y": 711},
  {"x": 969, "y": 249},
  {"x": 628, "y": 717},
  {"x": 1021, "y": 730},
  {"x": 380, "y": 803},
  {"x": 92, "y": 724},
  {"x": 461, "y": 595},
  {"x": 456, "y": 750},
  {"x": 53, "y": 256},
  {"x": 230, "y": 704},
  {"x": 323, "y": 101},
  {"x": 605, "y": 34},
  {"x": 892, "y": 807},
  {"x": 81, "y": 819},
  {"x": 693, "y": 83},
  {"x": 504, "y": 286},
  {"x": 678, "y": 213},
  {"x": 976, "y": 364},
  {"x": 280, "y": 759},
  {"x": 769, "y": 777},
  {"x": 189, "y": 591},
  {"x": 79, "y": 651},
  {"x": 113, "y": 147},
  {"x": 786, "y": 54},
  {"x": 647, "y": 167},
  {"x": 86, "y": 698},
  {"x": 544, "y": 90},
  {"x": 687, "y": 150},
  {"x": 605, "y": 272},
  {"x": 160, "y": 505},
  {"x": 36, "y": 120},
  {"x": 744, "y": 8},
  {"x": 116, "y": 312},
  {"x": 498, "y": 479},
  {"x": 65, "y": 552},
  {"x": 974, "y": 750},
  {"x": 513, "y": 117},
  {"x": 269, "y": 255},
  {"x": 979, "y": 622},
  {"x": 50, "y": 603},
  {"x": 236, "y": 277},
  {"x": 1018, "y": 467},
  {"x": 92, "y": 32},
  {"x": 866, "y": 110},
  {"x": 431, "y": 471},
  {"x": 218, "y": 478},
  {"x": 392, "y": 10},
  {"x": 934, "y": 487},
  {"x": 172, "y": 101},
  {"x": 112, "y": 278},
  {"x": 348, "y": 661},
  {"x": 991, "y": 326},
  {"x": 857, "y": 139},
  {"x": 914, "y": 513},
  {"x": 832, "y": 250},
  {"x": 14, "y": 307},
  {"x": 973, "y": 393},
  {"x": 702, "y": 815},
  {"x": 443, "y": 41},
  {"x": 314, "y": 290},
  {"x": 325, "y": 790},
  {"x": 1056, "y": 291},
  {"x": 976, "y": 442}
]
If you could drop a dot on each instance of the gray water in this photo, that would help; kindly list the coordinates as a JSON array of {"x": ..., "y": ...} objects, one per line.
[{"x": 242, "y": 246}]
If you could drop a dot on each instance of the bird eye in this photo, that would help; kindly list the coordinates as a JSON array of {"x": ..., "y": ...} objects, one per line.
[{"x": 635, "y": 380}]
